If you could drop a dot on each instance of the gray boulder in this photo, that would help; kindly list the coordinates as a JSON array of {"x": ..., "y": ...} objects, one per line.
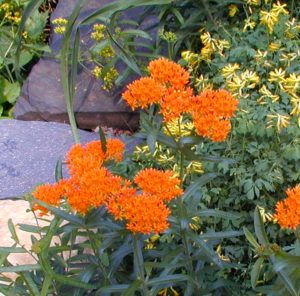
[
  {"x": 29, "y": 153},
  {"x": 42, "y": 94}
]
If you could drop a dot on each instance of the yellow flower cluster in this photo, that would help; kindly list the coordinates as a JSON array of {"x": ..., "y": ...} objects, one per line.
[
  {"x": 270, "y": 18},
  {"x": 212, "y": 46},
  {"x": 108, "y": 77},
  {"x": 98, "y": 33},
  {"x": 11, "y": 13},
  {"x": 238, "y": 82},
  {"x": 107, "y": 52},
  {"x": 60, "y": 25}
]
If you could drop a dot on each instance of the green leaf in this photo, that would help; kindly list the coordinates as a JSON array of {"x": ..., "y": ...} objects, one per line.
[
  {"x": 250, "y": 238},
  {"x": 112, "y": 289},
  {"x": 62, "y": 214},
  {"x": 103, "y": 139},
  {"x": 32, "y": 287},
  {"x": 168, "y": 280},
  {"x": 259, "y": 228},
  {"x": 10, "y": 250},
  {"x": 151, "y": 141},
  {"x": 196, "y": 185},
  {"x": 132, "y": 288},
  {"x": 136, "y": 33},
  {"x": 58, "y": 170},
  {"x": 218, "y": 214},
  {"x": 19, "y": 268},
  {"x": 12, "y": 230},
  {"x": 255, "y": 271},
  {"x": 221, "y": 234}
]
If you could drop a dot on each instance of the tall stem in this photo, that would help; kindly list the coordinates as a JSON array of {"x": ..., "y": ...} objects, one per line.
[{"x": 139, "y": 264}]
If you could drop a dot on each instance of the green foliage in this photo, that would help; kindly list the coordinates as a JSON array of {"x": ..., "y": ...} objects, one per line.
[{"x": 11, "y": 16}]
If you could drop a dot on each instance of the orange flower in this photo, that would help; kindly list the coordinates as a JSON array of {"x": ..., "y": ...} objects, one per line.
[
  {"x": 82, "y": 158},
  {"x": 211, "y": 111},
  {"x": 169, "y": 73},
  {"x": 146, "y": 214},
  {"x": 48, "y": 193},
  {"x": 175, "y": 103},
  {"x": 288, "y": 211},
  {"x": 143, "y": 92},
  {"x": 91, "y": 189},
  {"x": 211, "y": 127},
  {"x": 162, "y": 184},
  {"x": 219, "y": 103}
]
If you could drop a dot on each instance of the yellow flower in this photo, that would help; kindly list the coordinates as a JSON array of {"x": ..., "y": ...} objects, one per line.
[
  {"x": 190, "y": 57},
  {"x": 236, "y": 85},
  {"x": 60, "y": 21},
  {"x": 60, "y": 30},
  {"x": 289, "y": 57},
  {"x": 266, "y": 93},
  {"x": 229, "y": 70},
  {"x": 279, "y": 8},
  {"x": 277, "y": 76},
  {"x": 233, "y": 9},
  {"x": 274, "y": 46},
  {"x": 98, "y": 32},
  {"x": 281, "y": 121},
  {"x": 97, "y": 71},
  {"x": 202, "y": 83},
  {"x": 206, "y": 38},
  {"x": 292, "y": 83},
  {"x": 253, "y": 2},
  {"x": 250, "y": 77},
  {"x": 206, "y": 53},
  {"x": 269, "y": 18},
  {"x": 249, "y": 24},
  {"x": 293, "y": 29},
  {"x": 295, "y": 101}
]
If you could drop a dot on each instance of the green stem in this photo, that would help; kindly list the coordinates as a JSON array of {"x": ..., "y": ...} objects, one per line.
[
  {"x": 139, "y": 263},
  {"x": 72, "y": 121}
]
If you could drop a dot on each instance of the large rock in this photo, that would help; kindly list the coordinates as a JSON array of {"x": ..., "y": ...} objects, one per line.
[
  {"x": 42, "y": 94},
  {"x": 29, "y": 153}
]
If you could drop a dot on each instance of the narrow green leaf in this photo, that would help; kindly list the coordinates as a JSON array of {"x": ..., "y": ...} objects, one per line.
[
  {"x": 169, "y": 280},
  {"x": 221, "y": 234},
  {"x": 19, "y": 268},
  {"x": 102, "y": 139},
  {"x": 111, "y": 289},
  {"x": 58, "y": 170},
  {"x": 62, "y": 214},
  {"x": 201, "y": 181},
  {"x": 46, "y": 285},
  {"x": 9, "y": 250},
  {"x": 132, "y": 288},
  {"x": 259, "y": 228},
  {"x": 255, "y": 271},
  {"x": 12, "y": 230},
  {"x": 32, "y": 287},
  {"x": 218, "y": 214},
  {"x": 250, "y": 238}
]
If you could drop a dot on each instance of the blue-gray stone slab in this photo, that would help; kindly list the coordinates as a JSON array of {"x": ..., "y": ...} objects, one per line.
[{"x": 29, "y": 153}]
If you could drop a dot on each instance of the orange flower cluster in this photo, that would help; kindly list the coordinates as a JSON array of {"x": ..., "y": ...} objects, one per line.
[
  {"x": 92, "y": 185},
  {"x": 288, "y": 210},
  {"x": 211, "y": 112},
  {"x": 167, "y": 86},
  {"x": 146, "y": 212}
]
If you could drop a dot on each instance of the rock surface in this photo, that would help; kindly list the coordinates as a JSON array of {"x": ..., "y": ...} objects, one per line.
[
  {"x": 29, "y": 152},
  {"x": 42, "y": 94}
]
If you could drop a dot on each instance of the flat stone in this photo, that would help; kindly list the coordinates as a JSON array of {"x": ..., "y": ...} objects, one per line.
[
  {"x": 42, "y": 95},
  {"x": 29, "y": 153}
]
